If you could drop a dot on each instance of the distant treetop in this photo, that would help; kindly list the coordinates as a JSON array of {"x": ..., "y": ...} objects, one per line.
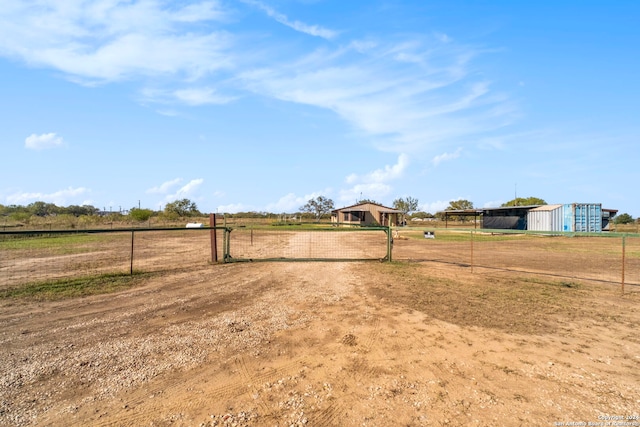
[
  {"x": 362, "y": 201},
  {"x": 522, "y": 201}
]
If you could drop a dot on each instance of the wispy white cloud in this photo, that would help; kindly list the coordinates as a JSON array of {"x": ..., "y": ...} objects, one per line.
[
  {"x": 375, "y": 184},
  {"x": 193, "y": 96},
  {"x": 313, "y": 30},
  {"x": 61, "y": 197},
  {"x": 186, "y": 190},
  {"x": 234, "y": 208},
  {"x": 403, "y": 93},
  {"x": 409, "y": 95},
  {"x": 287, "y": 203},
  {"x": 445, "y": 157},
  {"x": 165, "y": 187},
  {"x": 382, "y": 175},
  {"x": 201, "y": 11},
  {"x": 433, "y": 207},
  {"x": 374, "y": 190},
  {"x": 292, "y": 203},
  {"x": 111, "y": 40},
  {"x": 202, "y": 96},
  {"x": 43, "y": 141},
  {"x": 439, "y": 205}
]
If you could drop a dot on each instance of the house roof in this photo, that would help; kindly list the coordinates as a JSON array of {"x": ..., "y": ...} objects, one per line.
[
  {"x": 511, "y": 208},
  {"x": 482, "y": 211},
  {"x": 547, "y": 208},
  {"x": 360, "y": 207}
]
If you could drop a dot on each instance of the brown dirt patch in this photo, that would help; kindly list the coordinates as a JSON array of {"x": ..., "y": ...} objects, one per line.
[{"x": 324, "y": 344}]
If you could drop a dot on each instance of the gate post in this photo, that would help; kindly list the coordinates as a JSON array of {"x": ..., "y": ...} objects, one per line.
[
  {"x": 623, "y": 259},
  {"x": 227, "y": 244},
  {"x": 214, "y": 240},
  {"x": 131, "y": 256},
  {"x": 389, "y": 243}
]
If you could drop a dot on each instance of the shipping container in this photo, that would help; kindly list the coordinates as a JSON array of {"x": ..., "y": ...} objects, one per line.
[
  {"x": 546, "y": 218},
  {"x": 582, "y": 217}
]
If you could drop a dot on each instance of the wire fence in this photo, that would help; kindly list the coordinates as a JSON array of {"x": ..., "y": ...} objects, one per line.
[
  {"x": 36, "y": 256},
  {"x": 31, "y": 257},
  {"x": 606, "y": 257},
  {"x": 28, "y": 257},
  {"x": 312, "y": 244}
]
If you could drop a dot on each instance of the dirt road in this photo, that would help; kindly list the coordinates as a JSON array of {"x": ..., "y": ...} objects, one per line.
[{"x": 324, "y": 344}]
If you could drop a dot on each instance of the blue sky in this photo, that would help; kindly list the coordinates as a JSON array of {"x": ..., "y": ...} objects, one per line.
[{"x": 261, "y": 105}]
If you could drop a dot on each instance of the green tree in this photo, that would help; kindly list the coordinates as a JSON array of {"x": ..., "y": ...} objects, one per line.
[
  {"x": 522, "y": 201},
  {"x": 422, "y": 215},
  {"x": 318, "y": 207},
  {"x": 141, "y": 215},
  {"x": 361, "y": 201},
  {"x": 458, "y": 205},
  {"x": 181, "y": 208},
  {"x": 20, "y": 216},
  {"x": 462, "y": 204},
  {"x": 77, "y": 211},
  {"x": 42, "y": 208},
  {"x": 406, "y": 205},
  {"x": 624, "y": 218}
]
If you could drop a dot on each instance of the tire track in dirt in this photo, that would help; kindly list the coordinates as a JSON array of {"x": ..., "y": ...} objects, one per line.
[
  {"x": 191, "y": 394},
  {"x": 373, "y": 336},
  {"x": 333, "y": 415},
  {"x": 253, "y": 381},
  {"x": 150, "y": 404}
]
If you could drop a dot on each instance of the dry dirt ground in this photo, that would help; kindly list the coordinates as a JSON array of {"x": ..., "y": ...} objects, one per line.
[{"x": 325, "y": 344}]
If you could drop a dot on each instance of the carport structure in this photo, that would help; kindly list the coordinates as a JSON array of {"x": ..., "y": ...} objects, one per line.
[{"x": 475, "y": 213}]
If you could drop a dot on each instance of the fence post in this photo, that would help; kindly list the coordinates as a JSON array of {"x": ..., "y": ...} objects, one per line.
[
  {"x": 131, "y": 257},
  {"x": 227, "y": 244},
  {"x": 472, "y": 251},
  {"x": 623, "y": 259},
  {"x": 389, "y": 243},
  {"x": 214, "y": 240}
]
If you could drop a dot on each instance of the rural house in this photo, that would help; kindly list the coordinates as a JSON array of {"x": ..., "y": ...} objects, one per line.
[{"x": 371, "y": 214}]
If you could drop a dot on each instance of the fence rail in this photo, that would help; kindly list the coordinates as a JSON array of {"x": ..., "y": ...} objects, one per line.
[
  {"x": 32, "y": 256},
  {"x": 35, "y": 256},
  {"x": 606, "y": 257},
  {"x": 309, "y": 244}
]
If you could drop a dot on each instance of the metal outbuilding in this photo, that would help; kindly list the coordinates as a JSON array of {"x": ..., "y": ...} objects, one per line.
[
  {"x": 506, "y": 217},
  {"x": 546, "y": 218},
  {"x": 571, "y": 217},
  {"x": 582, "y": 217}
]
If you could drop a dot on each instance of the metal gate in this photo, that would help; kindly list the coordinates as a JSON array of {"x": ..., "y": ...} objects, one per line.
[{"x": 307, "y": 243}]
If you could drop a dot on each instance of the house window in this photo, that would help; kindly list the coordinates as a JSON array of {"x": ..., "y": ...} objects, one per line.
[{"x": 353, "y": 216}]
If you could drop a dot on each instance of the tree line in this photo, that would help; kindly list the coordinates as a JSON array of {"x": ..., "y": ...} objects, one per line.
[
  {"x": 317, "y": 208},
  {"x": 173, "y": 210}
]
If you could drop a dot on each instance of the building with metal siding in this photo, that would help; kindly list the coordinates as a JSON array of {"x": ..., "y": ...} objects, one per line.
[
  {"x": 506, "y": 217},
  {"x": 546, "y": 218},
  {"x": 582, "y": 217},
  {"x": 572, "y": 217}
]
